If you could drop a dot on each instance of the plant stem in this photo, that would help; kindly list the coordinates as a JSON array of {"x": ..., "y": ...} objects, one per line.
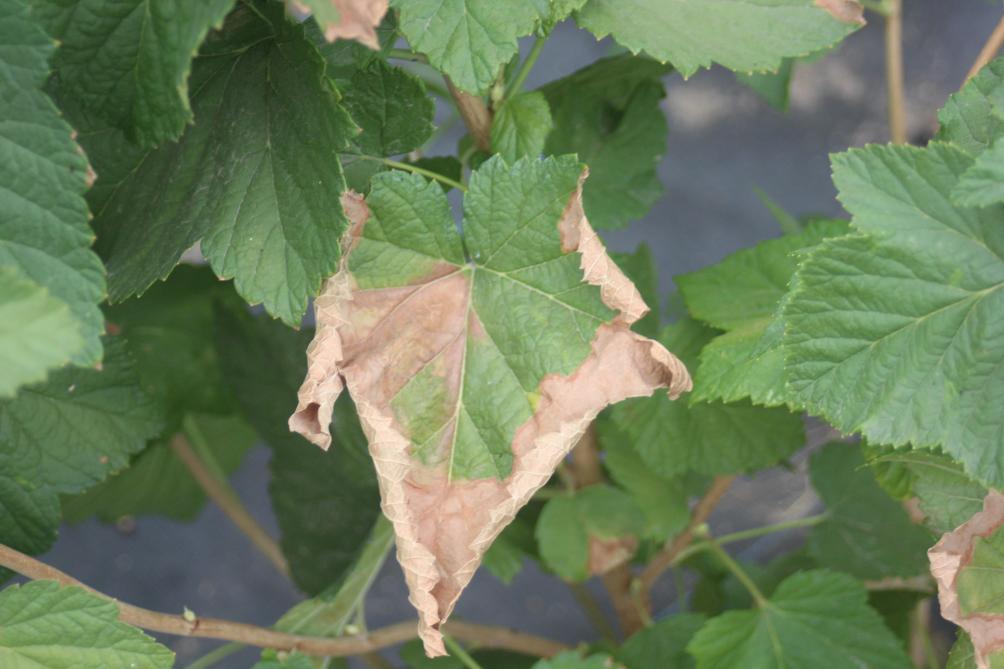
[
  {"x": 666, "y": 557},
  {"x": 989, "y": 50},
  {"x": 262, "y": 637},
  {"x": 215, "y": 655},
  {"x": 191, "y": 447},
  {"x": 458, "y": 651},
  {"x": 737, "y": 571},
  {"x": 477, "y": 117},
  {"x": 894, "y": 71},
  {"x": 809, "y": 521},
  {"x": 415, "y": 170},
  {"x": 524, "y": 68},
  {"x": 592, "y": 609}
]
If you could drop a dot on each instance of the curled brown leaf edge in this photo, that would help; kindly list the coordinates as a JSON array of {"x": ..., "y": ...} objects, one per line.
[
  {"x": 443, "y": 527},
  {"x": 948, "y": 557},
  {"x": 358, "y": 20}
]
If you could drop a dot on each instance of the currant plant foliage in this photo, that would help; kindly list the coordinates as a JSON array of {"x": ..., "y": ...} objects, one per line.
[{"x": 164, "y": 165}]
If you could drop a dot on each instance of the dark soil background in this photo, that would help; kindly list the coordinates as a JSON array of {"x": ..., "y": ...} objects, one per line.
[{"x": 723, "y": 142}]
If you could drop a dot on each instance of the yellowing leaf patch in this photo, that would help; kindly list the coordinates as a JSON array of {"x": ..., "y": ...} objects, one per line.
[{"x": 476, "y": 360}]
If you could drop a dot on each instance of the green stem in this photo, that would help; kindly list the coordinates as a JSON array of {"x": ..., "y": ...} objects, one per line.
[
  {"x": 738, "y": 572},
  {"x": 415, "y": 170},
  {"x": 524, "y": 68},
  {"x": 591, "y": 608},
  {"x": 458, "y": 651},
  {"x": 752, "y": 533},
  {"x": 215, "y": 655}
]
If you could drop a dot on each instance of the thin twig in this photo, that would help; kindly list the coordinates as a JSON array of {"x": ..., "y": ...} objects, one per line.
[
  {"x": 989, "y": 50},
  {"x": 485, "y": 636},
  {"x": 894, "y": 71},
  {"x": 664, "y": 559},
  {"x": 477, "y": 117},
  {"x": 218, "y": 490}
]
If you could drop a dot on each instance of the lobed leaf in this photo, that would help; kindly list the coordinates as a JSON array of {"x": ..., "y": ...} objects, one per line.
[
  {"x": 476, "y": 362},
  {"x": 742, "y": 35},
  {"x": 44, "y": 235},
  {"x": 896, "y": 334},
  {"x": 44, "y": 625}
]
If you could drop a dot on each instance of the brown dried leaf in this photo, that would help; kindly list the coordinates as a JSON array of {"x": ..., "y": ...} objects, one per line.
[
  {"x": 375, "y": 339},
  {"x": 346, "y": 19},
  {"x": 948, "y": 559}
]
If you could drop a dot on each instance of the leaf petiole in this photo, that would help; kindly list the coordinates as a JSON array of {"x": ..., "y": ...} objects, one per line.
[
  {"x": 524, "y": 68},
  {"x": 737, "y": 571},
  {"x": 414, "y": 169},
  {"x": 458, "y": 651}
]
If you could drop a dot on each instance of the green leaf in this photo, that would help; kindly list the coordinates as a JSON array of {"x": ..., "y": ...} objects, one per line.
[
  {"x": 43, "y": 176},
  {"x": 981, "y": 184},
  {"x": 170, "y": 332},
  {"x": 156, "y": 483},
  {"x": 391, "y": 107},
  {"x": 504, "y": 559},
  {"x": 741, "y": 295},
  {"x": 662, "y": 644},
  {"x": 772, "y": 87},
  {"x": 814, "y": 619},
  {"x": 980, "y": 583},
  {"x": 257, "y": 178},
  {"x": 867, "y": 533},
  {"x": 609, "y": 113},
  {"x": 127, "y": 62},
  {"x": 468, "y": 40},
  {"x": 662, "y": 500},
  {"x": 414, "y": 656},
  {"x": 64, "y": 436},
  {"x": 897, "y": 334},
  {"x": 742, "y": 35},
  {"x": 708, "y": 438},
  {"x": 520, "y": 127},
  {"x": 47, "y": 626},
  {"x": 37, "y": 331},
  {"x": 963, "y": 655},
  {"x": 640, "y": 268},
  {"x": 573, "y": 660},
  {"x": 317, "y": 495},
  {"x": 568, "y": 523},
  {"x": 974, "y": 117}
]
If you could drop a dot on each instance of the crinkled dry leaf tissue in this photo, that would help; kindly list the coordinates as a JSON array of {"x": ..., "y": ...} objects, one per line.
[
  {"x": 346, "y": 19},
  {"x": 474, "y": 370}
]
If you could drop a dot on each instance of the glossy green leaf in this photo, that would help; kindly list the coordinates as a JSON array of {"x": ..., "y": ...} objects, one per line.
[
  {"x": 609, "y": 114},
  {"x": 980, "y": 583},
  {"x": 867, "y": 533},
  {"x": 128, "y": 61},
  {"x": 741, "y": 295},
  {"x": 662, "y": 644},
  {"x": 66, "y": 435},
  {"x": 156, "y": 483},
  {"x": 897, "y": 334},
  {"x": 44, "y": 625},
  {"x": 37, "y": 331},
  {"x": 469, "y": 40},
  {"x": 814, "y": 619},
  {"x": 742, "y": 35},
  {"x": 708, "y": 438},
  {"x": 520, "y": 127},
  {"x": 44, "y": 233},
  {"x": 568, "y": 523},
  {"x": 257, "y": 177}
]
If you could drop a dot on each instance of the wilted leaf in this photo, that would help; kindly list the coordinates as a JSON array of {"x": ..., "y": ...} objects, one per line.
[
  {"x": 742, "y": 35},
  {"x": 44, "y": 233},
  {"x": 814, "y": 619},
  {"x": 473, "y": 372},
  {"x": 346, "y": 19},
  {"x": 867, "y": 533},
  {"x": 968, "y": 565},
  {"x": 44, "y": 625},
  {"x": 128, "y": 61}
]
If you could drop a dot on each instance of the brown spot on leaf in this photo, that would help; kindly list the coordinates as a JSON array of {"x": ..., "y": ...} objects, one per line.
[
  {"x": 948, "y": 557},
  {"x": 605, "y": 554},
  {"x": 848, "y": 11},
  {"x": 374, "y": 340}
]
